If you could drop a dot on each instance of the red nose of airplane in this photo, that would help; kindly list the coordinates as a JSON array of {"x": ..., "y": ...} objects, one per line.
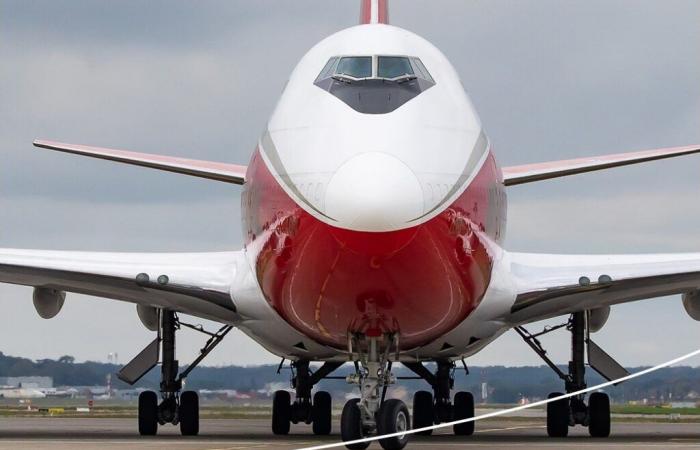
[{"x": 374, "y": 192}]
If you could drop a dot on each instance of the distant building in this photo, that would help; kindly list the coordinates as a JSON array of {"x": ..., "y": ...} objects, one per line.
[{"x": 27, "y": 382}]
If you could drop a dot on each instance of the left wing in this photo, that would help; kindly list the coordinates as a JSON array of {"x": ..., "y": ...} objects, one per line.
[
  {"x": 230, "y": 173},
  {"x": 542, "y": 171},
  {"x": 553, "y": 285},
  {"x": 193, "y": 283}
]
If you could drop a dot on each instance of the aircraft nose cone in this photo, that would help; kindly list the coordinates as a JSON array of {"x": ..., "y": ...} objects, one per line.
[{"x": 374, "y": 192}]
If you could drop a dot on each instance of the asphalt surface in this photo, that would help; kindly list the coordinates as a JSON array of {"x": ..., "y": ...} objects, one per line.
[{"x": 220, "y": 434}]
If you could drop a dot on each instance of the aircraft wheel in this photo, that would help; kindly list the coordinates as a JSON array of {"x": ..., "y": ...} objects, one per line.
[
  {"x": 599, "y": 415},
  {"x": 463, "y": 408},
  {"x": 423, "y": 415},
  {"x": 148, "y": 413},
  {"x": 189, "y": 413},
  {"x": 557, "y": 417},
  {"x": 281, "y": 412},
  {"x": 321, "y": 413},
  {"x": 351, "y": 425},
  {"x": 393, "y": 417}
]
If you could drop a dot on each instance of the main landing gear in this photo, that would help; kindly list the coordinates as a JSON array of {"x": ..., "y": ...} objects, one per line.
[
  {"x": 565, "y": 413},
  {"x": 176, "y": 407},
  {"x": 315, "y": 411},
  {"x": 437, "y": 407},
  {"x": 372, "y": 413}
]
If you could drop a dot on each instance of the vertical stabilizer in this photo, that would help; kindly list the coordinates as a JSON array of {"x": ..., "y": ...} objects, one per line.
[{"x": 374, "y": 11}]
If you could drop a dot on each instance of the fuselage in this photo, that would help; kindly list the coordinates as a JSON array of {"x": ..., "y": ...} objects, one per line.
[{"x": 372, "y": 205}]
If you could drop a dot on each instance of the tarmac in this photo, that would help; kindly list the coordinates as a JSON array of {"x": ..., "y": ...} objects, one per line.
[{"x": 239, "y": 434}]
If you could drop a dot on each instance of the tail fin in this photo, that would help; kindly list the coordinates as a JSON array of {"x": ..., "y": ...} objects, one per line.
[{"x": 374, "y": 11}]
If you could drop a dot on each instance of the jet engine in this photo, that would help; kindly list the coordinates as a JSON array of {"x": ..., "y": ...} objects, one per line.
[
  {"x": 691, "y": 303},
  {"x": 148, "y": 316},
  {"x": 48, "y": 302},
  {"x": 597, "y": 318}
]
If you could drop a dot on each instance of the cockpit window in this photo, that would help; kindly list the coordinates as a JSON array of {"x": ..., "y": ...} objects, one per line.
[
  {"x": 393, "y": 67},
  {"x": 420, "y": 69},
  {"x": 328, "y": 69},
  {"x": 355, "y": 66},
  {"x": 374, "y": 84}
]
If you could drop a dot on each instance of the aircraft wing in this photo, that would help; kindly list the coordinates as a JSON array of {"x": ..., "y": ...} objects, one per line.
[
  {"x": 229, "y": 173},
  {"x": 554, "y": 285},
  {"x": 195, "y": 283},
  {"x": 542, "y": 171}
]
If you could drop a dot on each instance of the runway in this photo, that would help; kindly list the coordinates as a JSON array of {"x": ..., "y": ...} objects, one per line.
[{"x": 240, "y": 434}]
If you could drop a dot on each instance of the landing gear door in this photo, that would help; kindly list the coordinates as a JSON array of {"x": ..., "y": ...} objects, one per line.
[
  {"x": 141, "y": 364},
  {"x": 604, "y": 364}
]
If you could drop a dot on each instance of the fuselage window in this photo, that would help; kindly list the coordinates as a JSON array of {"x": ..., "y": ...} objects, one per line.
[
  {"x": 393, "y": 67},
  {"x": 355, "y": 66}
]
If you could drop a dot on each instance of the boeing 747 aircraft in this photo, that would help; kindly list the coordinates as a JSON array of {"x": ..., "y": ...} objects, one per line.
[{"x": 374, "y": 212}]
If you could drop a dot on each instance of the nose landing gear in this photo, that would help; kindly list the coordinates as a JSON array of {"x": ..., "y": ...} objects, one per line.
[{"x": 372, "y": 413}]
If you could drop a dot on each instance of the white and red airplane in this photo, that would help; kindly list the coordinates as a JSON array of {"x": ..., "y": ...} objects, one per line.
[{"x": 374, "y": 212}]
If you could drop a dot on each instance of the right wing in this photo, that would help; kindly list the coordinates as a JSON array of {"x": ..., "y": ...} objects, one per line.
[
  {"x": 554, "y": 285},
  {"x": 195, "y": 283},
  {"x": 229, "y": 173},
  {"x": 553, "y": 169}
]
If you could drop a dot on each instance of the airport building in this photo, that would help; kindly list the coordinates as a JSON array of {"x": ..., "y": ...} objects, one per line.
[{"x": 27, "y": 382}]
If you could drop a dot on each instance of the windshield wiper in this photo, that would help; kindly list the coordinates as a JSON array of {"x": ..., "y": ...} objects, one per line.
[
  {"x": 344, "y": 78},
  {"x": 403, "y": 78}
]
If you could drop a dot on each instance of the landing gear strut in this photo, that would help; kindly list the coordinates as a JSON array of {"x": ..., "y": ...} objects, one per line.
[
  {"x": 565, "y": 413},
  {"x": 435, "y": 408},
  {"x": 315, "y": 411},
  {"x": 175, "y": 407},
  {"x": 372, "y": 413}
]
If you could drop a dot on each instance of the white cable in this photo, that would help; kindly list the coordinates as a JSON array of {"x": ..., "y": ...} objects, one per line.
[{"x": 517, "y": 408}]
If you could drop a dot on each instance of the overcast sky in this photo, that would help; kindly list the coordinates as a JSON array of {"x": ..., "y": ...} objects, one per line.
[{"x": 551, "y": 79}]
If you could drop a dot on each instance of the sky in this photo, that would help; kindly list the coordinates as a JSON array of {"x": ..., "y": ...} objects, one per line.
[{"x": 551, "y": 80}]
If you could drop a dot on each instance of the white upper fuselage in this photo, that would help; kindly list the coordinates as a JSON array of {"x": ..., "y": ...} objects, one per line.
[{"x": 351, "y": 166}]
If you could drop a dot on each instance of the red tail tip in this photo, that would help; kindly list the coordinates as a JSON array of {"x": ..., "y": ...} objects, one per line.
[{"x": 374, "y": 11}]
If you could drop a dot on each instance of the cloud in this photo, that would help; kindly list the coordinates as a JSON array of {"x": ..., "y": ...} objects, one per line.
[{"x": 551, "y": 80}]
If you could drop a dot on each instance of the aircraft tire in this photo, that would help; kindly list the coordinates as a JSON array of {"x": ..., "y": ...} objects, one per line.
[
  {"x": 463, "y": 408},
  {"x": 321, "y": 411},
  {"x": 599, "y": 415},
  {"x": 557, "y": 417},
  {"x": 423, "y": 415},
  {"x": 189, "y": 413},
  {"x": 393, "y": 417},
  {"x": 281, "y": 412},
  {"x": 148, "y": 413},
  {"x": 351, "y": 425}
]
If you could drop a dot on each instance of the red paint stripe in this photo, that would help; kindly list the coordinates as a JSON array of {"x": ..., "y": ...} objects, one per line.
[
  {"x": 383, "y": 11},
  {"x": 366, "y": 11}
]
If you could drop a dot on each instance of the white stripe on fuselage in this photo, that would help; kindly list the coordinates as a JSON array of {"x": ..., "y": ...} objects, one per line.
[{"x": 374, "y": 12}]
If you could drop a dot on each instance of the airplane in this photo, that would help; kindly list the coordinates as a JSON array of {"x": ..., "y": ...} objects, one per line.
[{"x": 374, "y": 215}]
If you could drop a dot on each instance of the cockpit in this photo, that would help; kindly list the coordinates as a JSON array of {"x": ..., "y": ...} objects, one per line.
[{"x": 374, "y": 84}]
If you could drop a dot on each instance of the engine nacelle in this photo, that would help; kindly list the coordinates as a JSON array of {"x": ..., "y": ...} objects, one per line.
[
  {"x": 597, "y": 318},
  {"x": 149, "y": 316},
  {"x": 48, "y": 302},
  {"x": 691, "y": 303}
]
